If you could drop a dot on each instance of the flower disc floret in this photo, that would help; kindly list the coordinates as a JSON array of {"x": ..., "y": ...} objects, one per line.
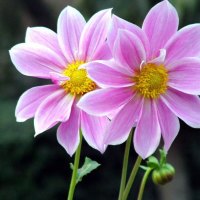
[
  {"x": 79, "y": 83},
  {"x": 151, "y": 81}
]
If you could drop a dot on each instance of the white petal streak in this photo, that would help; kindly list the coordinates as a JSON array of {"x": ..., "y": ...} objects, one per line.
[
  {"x": 147, "y": 134},
  {"x": 68, "y": 132},
  {"x": 70, "y": 27},
  {"x": 94, "y": 34},
  {"x": 44, "y": 37},
  {"x": 120, "y": 126},
  {"x": 185, "y": 106},
  {"x": 169, "y": 124},
  {"x": 93, "y": 129},
  {"x": 56, "y": 108},
  {"x": 36, "y": 60},
  {"x": 31, "y": 99}
]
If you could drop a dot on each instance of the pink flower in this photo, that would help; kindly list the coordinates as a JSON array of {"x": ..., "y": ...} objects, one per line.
[
  {"x": 59, "y": 57},
  {"x": 154, "y": 79}
]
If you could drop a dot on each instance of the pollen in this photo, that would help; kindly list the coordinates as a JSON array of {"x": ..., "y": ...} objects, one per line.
[
  {"x": 79, "y": 83},
  {"x": 151, "y": 81}
]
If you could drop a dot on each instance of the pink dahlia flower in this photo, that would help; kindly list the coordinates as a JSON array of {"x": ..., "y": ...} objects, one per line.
[
  {"x": 153, "y": 79},
  {"x": 59, "y": 57}
]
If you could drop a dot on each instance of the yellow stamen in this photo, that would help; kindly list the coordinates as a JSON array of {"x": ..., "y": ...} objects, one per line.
[
  {"x": 79, "y": 83},
  {"x": 151, "y": 81}
]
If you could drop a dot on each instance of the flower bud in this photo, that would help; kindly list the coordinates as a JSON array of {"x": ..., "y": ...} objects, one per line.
[{"x": 163, "y": 175}]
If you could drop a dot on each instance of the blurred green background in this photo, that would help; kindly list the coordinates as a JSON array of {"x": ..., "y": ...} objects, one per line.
[{"x": 38, "y": 168}]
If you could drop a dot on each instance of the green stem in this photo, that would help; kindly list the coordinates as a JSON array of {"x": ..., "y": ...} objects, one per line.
[
  {"x": 143, "y": 183},
  {"x": 125, "y": 165},
  {"x": 75, "y": 170},
  {"x": 132, "y": 178}
]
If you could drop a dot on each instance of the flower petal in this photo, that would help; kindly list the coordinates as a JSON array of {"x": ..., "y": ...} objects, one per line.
[
  {"x": 31, "y": 99},
  {"x": 70, "y": 27},
  {"x": 185, "y": 106},
  {"x": 106, "y": 76},
  {"x": 160, "y": 59},
  {"x": 56, "y": 108},
  {"x": 119, "y": 23},
  {"x": 112, "y": 64},
  {"x": 58, "y": 78},
  {"x": 120, "y": 126},
  {"x": 103, "y": 53},
  {"x": 129, "y": 50},
  {"x": 159, "y": 25},
  {"x": 185, "y": 75},
  {"x": 68, "y": 132},
  {"x": 93, "y": 130},
  {"x": 94, "y": 34},
  {"x": 169, "y": 124},
  {"x": 44, "y": 37},
  {"x": 36, "y": 60},
  {"x": 147, "y": 133},
  {"x": 103, "y": 101},
  {"x": 185, "y": 43}
]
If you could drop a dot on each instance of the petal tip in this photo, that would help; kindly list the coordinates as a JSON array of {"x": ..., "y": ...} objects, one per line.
[
  {"x": 69, "y": 9},
  {"x": 70, "y": 153},
  {"x": 18, "y": 119},
  {"x": 36, "y": 134},
  {"x": 11, "y": 51},
  {"x": 81, "y": 105},
  {"x": 38, "y": 129},
  {"x": 108, "y": 11},
  {"x": 103, "y": 149}
]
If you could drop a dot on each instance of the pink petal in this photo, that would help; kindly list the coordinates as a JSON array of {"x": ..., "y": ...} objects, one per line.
[
  {"x": 185, "y": 43},
  {"x": 129, "y": 51},
  {"x": 56, "y": 108},
  {"x": 169, "y": 124},
  {"x": 185, "y": 75},
  {"x": 36, "y": 60},
  {"x": 103, "y": 101},
  {"x": 119, "y": 23},
  {"x": 93, "y": 130},
  {"x": 58, "y": 78},
  {"x": 159, "y": 25},
  {"x": 70, "y": 27},
  {"x": 31, "y": 99},
  {"x": 94, "y": 34},
  {"x": 68, "y": 132},
  {"x": 147, "y": 134},
  {"x": 120, "y": 126},
  {"x": 44, "y": 37},
  {"x": 106, "y": 76},
  {"x": 114, "y": 113},
  {"x": 103, "y": 53},
  {"x": 111, "y": 63},
  {"x": 160, "y": 59},
  {"x": 185, "y": 106}
]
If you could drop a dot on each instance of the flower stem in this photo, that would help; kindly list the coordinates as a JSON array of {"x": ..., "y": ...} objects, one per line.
[
  {"x": 75, "y": 170},
  {"x": 132, "y": 178},
  {"x": 125, "y": 165},
  {"x": 143, "y": 183}
]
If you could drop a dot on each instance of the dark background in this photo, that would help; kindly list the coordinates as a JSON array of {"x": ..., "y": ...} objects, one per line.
[{"x": 38, "y": 168}]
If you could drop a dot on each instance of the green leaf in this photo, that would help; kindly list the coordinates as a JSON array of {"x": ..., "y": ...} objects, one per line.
[
  {"x": 145, "y": 168},
  {"x": 88, "y": 166},
  {"x": 153, "y": 162}
]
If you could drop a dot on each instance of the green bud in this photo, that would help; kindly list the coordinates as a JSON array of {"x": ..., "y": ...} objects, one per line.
[{"x": 163, "y": 175}]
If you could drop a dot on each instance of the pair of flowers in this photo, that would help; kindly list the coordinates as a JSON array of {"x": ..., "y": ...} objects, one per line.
[{"x": 145, "y": 77}]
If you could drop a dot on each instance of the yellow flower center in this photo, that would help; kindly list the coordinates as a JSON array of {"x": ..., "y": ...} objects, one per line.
[
  {"x": 79, "y": 83},
  {"x": 151, "y": 81}
]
